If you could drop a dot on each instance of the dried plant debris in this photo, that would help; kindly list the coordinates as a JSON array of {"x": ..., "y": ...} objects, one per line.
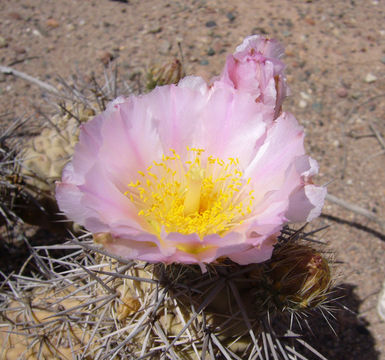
[{"x": 91, "y": 306}]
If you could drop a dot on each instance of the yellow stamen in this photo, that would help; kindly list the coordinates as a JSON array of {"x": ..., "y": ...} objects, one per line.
[{"x": 203, "y": 195}]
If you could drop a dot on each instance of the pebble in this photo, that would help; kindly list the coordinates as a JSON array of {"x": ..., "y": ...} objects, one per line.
[
  {"x": 155, "y": 29},
  {"x": 3, "y": 42},
  {"x": 289, "y": 52},
  {"x": 15, "y": 16},
  {"x": 383, "y": 60},
  {"x": 218, "y": 46},
  {"x": 164, "y": 47},
  {"x": 336, "y": 143},
  {"x": 286, "y": 33},
  {"x": 317, "y": 107},
  {"x": 230, "y": 16},
  {"x": 36, "y": 33},
  {"x": 370, "y": 78},
  {"x": 210, "y": 52},
  {"x": 19, "y": 50},
  {"x": 70, "y": 27},
  {"x": 211, "y": 24},
  {"x": 52, "y": 23},
  {"x": 106, "y": 57},
  {"x": 302, "y": 104},
  {"x": 305, "y": 96},
  {"x": 204, "y": 62},
  {"x": 342, "y": 92},
  {"x": 309, "y": 20}
]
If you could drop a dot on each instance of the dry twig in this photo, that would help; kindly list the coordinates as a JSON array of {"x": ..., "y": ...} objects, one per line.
[
  {"x": 10, "y": 71},
  {"x": 356, "y": 209}
]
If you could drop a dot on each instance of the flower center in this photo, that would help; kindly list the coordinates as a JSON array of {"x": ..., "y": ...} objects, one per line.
[{"x": 203, "y": 195}]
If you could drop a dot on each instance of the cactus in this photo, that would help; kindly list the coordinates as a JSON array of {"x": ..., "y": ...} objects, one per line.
[
  {"x": 29, "y": 168},
  {"x": 89, "y": 305},
  {"x": 45, "y": 155}
]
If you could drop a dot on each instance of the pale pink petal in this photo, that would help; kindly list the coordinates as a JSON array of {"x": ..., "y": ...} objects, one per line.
[
  {"x": 195, "y": 83},
  {"x": 283, "y": 144},
  {"x": 256, "y": 254},
  {"x": 175, "y": 112},
  {"x": 306, "y": 204},
  {"x": 223, "y": 130},
  {"x": 256, "y": 68},
  {"x": 69, "y": 199},
  {"x": 269, "y": 47}
]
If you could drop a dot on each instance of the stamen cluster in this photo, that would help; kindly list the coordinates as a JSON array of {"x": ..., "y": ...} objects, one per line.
[{"x": 204, "y": 195}]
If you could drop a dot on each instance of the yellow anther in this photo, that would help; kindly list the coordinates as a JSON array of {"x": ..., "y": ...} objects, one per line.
[{"x": 200, "y": 195}]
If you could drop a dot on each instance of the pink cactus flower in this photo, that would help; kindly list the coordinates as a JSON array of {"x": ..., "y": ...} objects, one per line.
[
  {"x": 256, "y": 67},
  {"x": 190, "y": 173}
]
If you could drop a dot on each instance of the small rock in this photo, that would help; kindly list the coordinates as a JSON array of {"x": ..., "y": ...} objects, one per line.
[
  {"x": 305, "y": 96},
  {"x": 342, "y": 92},
  {"x": 155, "y": 29},
  {"x": 211, "y": 24},
  {"x": 286, "y": 33},
  {"x": 19, "y": 50},
  {"x": 52, "y": 23},
  {"x": 106, "y": 57},
  {"x": 289, "y": 52},
  {"x": 210, "y": 52},
  {"x": 383, "y": 59},
  {"x": 15, "y": 16},
  {"x": 36, "y": 32},
  {"x": 204, "y": 62},
  {"x": 336, "y": 143},
  {"x": 317, "y": 107},
  {"x": 70, "y": 27},
  {"x": 3, "y": 42},
  {"x": 259, "y": 30},
  {"x": 370, "y": 78},
  {"x": 309, "y": 20},
  {"x": 164, "y": 47},
  {"x": 218, "y": 46},
  {"x": 302, "y": 104},
  {"x": 230, "y": 16},
  {"x": 336, "y": 32}
]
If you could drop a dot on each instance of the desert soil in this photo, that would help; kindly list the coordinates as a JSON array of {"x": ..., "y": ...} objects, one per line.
[{"x": 335, "y": 56}]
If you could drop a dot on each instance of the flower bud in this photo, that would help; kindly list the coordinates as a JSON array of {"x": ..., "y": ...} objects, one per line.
[
  {"x": 299, "y": 277},
  {"x": 169, "y": 73}
]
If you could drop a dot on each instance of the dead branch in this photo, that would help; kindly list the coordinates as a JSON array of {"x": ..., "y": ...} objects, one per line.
[
  {"x": 10, "y": 71},
  {"x": 356, "y": 209}
]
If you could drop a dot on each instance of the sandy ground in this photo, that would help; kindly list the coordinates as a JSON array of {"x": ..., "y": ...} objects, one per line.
[{"x": 335, "y": 55}]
